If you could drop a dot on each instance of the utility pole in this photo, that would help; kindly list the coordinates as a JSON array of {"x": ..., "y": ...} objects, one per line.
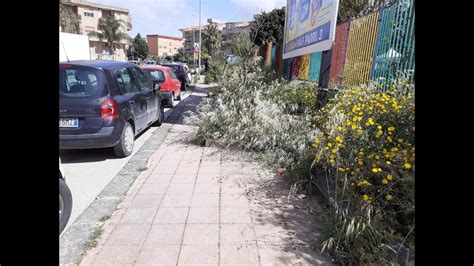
[
  {"x": 194, "y": 41},
  {"x": 200, "y": 42}
]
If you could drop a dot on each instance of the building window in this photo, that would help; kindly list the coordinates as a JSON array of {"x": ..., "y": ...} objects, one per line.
[{"x": 89, "y": 14}]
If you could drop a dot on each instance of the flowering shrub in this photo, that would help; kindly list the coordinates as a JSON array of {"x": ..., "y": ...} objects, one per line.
[
  {"x": 294, "y": 98},
  {"x": 241, "y": 116},
  {"x": 364, "y": 137}
]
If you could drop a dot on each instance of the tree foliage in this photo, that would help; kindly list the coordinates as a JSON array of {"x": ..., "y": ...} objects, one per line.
[
  {"x": 109, "y": 29},
  {"x": 268, "y": 27},
  {"x": 212, "y": 39},
  {"x": 68, "y": 20},
  {"x": 351, "y": 9},
  {"x": 140, "y": 47},
  {"x": 179, "y": 56}
]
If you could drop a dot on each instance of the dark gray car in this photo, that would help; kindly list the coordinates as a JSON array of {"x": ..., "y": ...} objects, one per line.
[{"x": 105, "y": 104}]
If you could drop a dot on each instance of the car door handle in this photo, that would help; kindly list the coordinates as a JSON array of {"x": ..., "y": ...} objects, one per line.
[{"x": 132, "y": 102}]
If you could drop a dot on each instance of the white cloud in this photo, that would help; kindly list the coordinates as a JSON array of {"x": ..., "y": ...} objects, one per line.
[
  {"x": 164, "y": 17},
  {"x": 252, "y": 7}
]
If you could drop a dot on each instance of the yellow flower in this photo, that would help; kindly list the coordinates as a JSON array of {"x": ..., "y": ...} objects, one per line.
[
  {"x": 389, "y": 177},
  {"x": 329, "y": 144},
  {"x": 388, "y": 162},
  {"x": 339, "y": 128},
  {"x": 334, "y": 150},
  {"x": 377, "y": 157},
  {"x": 407, "y": 165},
  {"x": 375, "y": 170},
  {"x": 379, "y": 169},
  {"x": 365, "y": 198},
  {"x": 388, "y": 197},
  {"x": 354, "y": 126},
  {"x": 371, "y": 122},
  {"x": 359, "y": 131},
  {"x": 364, "y": 182},
  {"x": 379, "y": 127},
  {"x": 394, "y": 149},
  {"x": 338, "y": 139},
  {"x": 391, "y": 129},
  {"x": 385, "y": 181}
]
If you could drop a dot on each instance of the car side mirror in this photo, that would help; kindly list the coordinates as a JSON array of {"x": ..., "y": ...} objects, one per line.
[{"x": 156, "y": 87}]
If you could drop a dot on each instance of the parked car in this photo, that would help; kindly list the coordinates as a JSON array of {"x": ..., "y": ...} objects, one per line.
[
  {"x": 181, "y": 72},
  {"x": 170, "y": 86},
  {"x": 65, "y": 200},
  {"x": 105, "y": 104},
  {"x": 150, "y": 63},
  {"x": 134, "y": 62}
]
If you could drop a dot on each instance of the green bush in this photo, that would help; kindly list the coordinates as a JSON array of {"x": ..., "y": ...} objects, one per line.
[
  {"x": 240, "y": 116},
  {"x": 364, "y": 138}
]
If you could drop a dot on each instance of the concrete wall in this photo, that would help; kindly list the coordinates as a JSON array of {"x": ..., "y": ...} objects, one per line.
[{"x": 75, "y": 46}]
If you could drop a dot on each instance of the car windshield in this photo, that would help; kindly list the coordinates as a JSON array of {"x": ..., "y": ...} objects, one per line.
[
  {"x": 156, "y": 74},
  {"x": 81, "y": 82}
]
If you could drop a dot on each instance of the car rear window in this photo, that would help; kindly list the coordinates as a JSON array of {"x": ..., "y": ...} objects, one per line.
[
  {"x": 156, "y": 74},
  {"x": 81, "y": 82}
]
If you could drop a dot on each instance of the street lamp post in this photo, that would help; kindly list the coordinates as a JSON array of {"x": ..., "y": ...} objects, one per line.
[
  {"x": 194, "y": 41},
  {"x": 200, "y": 44}
]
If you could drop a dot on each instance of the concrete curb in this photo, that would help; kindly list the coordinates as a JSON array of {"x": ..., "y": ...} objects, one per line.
[{"x": 72, "y": 241}]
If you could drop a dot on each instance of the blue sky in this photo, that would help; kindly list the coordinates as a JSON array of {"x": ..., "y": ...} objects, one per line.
[{"x": 166, "y": 17}]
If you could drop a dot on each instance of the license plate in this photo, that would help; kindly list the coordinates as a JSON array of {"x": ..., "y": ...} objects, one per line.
[{"x": 68, "y": 122}]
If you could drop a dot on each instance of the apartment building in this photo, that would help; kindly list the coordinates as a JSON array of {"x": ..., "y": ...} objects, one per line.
[
  {"x": 161, "y": 45},
  {"x": 89, "y": 14},
  {"x": 231, "y": 34},
  {"x": 188, "y": 33}
]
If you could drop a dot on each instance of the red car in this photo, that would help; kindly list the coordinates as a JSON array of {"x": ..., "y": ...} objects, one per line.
[{"x": 170, "y": 86}]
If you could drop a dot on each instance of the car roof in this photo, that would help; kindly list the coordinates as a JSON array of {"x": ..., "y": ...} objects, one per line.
[
  {"x": 100, "y": 64},
  {"x": 156, "y": 67}
]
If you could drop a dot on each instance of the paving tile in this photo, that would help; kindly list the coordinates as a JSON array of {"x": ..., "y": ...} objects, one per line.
[
  {"x": 165, "y": 234},
  {"x": 146, "y": 201},
  {"x": 232, "y": 188},
  {"x": 171, "y": 215},
  {"x": 159, "y": 178},
  {"x": 276, "y": 255},
  {"x": 176, "y": 200},
  {"x": 205, "y": 200},
  {"x": 128, "y": 234},
  {"x": 208, "y": 178},
  {"x": 272, "y": 233},
  {"x": 168, "y": 170},
  {"x": 194, "y": 254},
  {"x": 184, "y": 179},
  {"x": 113, "y": 255},
  {"x": 234, "y": 200},
  {"x": 158, "y": 255},
  {"x": 239, "y": 254},
  {"x": 153, "y": 188},
  {"x": 187, "y": 169},
  {"x": 201, "y": 234},
  {"x": 234, "y": 215},
  {"x": 138, "y": 216},
  {"x": 209, "y": 169},
  {"x": 180, "y": 188},
  {"x": 206, "y": 188},
  {"x": 237, "y": 234},
  {"x": 204, "y": 215}
]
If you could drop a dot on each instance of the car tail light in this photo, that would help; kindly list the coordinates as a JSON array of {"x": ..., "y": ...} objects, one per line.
[{"x": 109, "y": 110}]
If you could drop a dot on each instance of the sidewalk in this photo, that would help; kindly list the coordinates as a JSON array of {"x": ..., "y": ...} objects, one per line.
[{"x": 203, "y": 205}]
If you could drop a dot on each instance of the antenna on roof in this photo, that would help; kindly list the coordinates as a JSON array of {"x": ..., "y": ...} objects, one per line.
[{"x": 65, "y": 52}]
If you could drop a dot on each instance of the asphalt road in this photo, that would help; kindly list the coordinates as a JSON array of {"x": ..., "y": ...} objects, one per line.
[{"x": 89, "y": 171}]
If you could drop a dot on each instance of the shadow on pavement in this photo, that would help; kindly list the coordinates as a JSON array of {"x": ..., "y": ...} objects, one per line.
[{"x": 91, "y": 155}]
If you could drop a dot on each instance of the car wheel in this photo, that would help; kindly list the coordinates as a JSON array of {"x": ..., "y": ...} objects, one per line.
[
  {"x": 125, "y": 146},
  {"x": 179, "y": 96},
  {"x": 65, "y": 205},
  {"x": 171, "y": 103},
  {"x": 161, "y": 117}
]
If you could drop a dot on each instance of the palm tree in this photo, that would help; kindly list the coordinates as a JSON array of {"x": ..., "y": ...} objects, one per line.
[
  {"x": 68, "y": 20},
  {"x": 108, "y": 29},
  {"x": 212, "y": 38}
]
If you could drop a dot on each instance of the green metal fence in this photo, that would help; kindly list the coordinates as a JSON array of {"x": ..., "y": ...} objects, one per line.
[{"x": 395, "y": 50}]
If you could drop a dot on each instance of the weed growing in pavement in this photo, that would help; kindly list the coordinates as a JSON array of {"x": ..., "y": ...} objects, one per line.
[{"x": 91, "y": 243}]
